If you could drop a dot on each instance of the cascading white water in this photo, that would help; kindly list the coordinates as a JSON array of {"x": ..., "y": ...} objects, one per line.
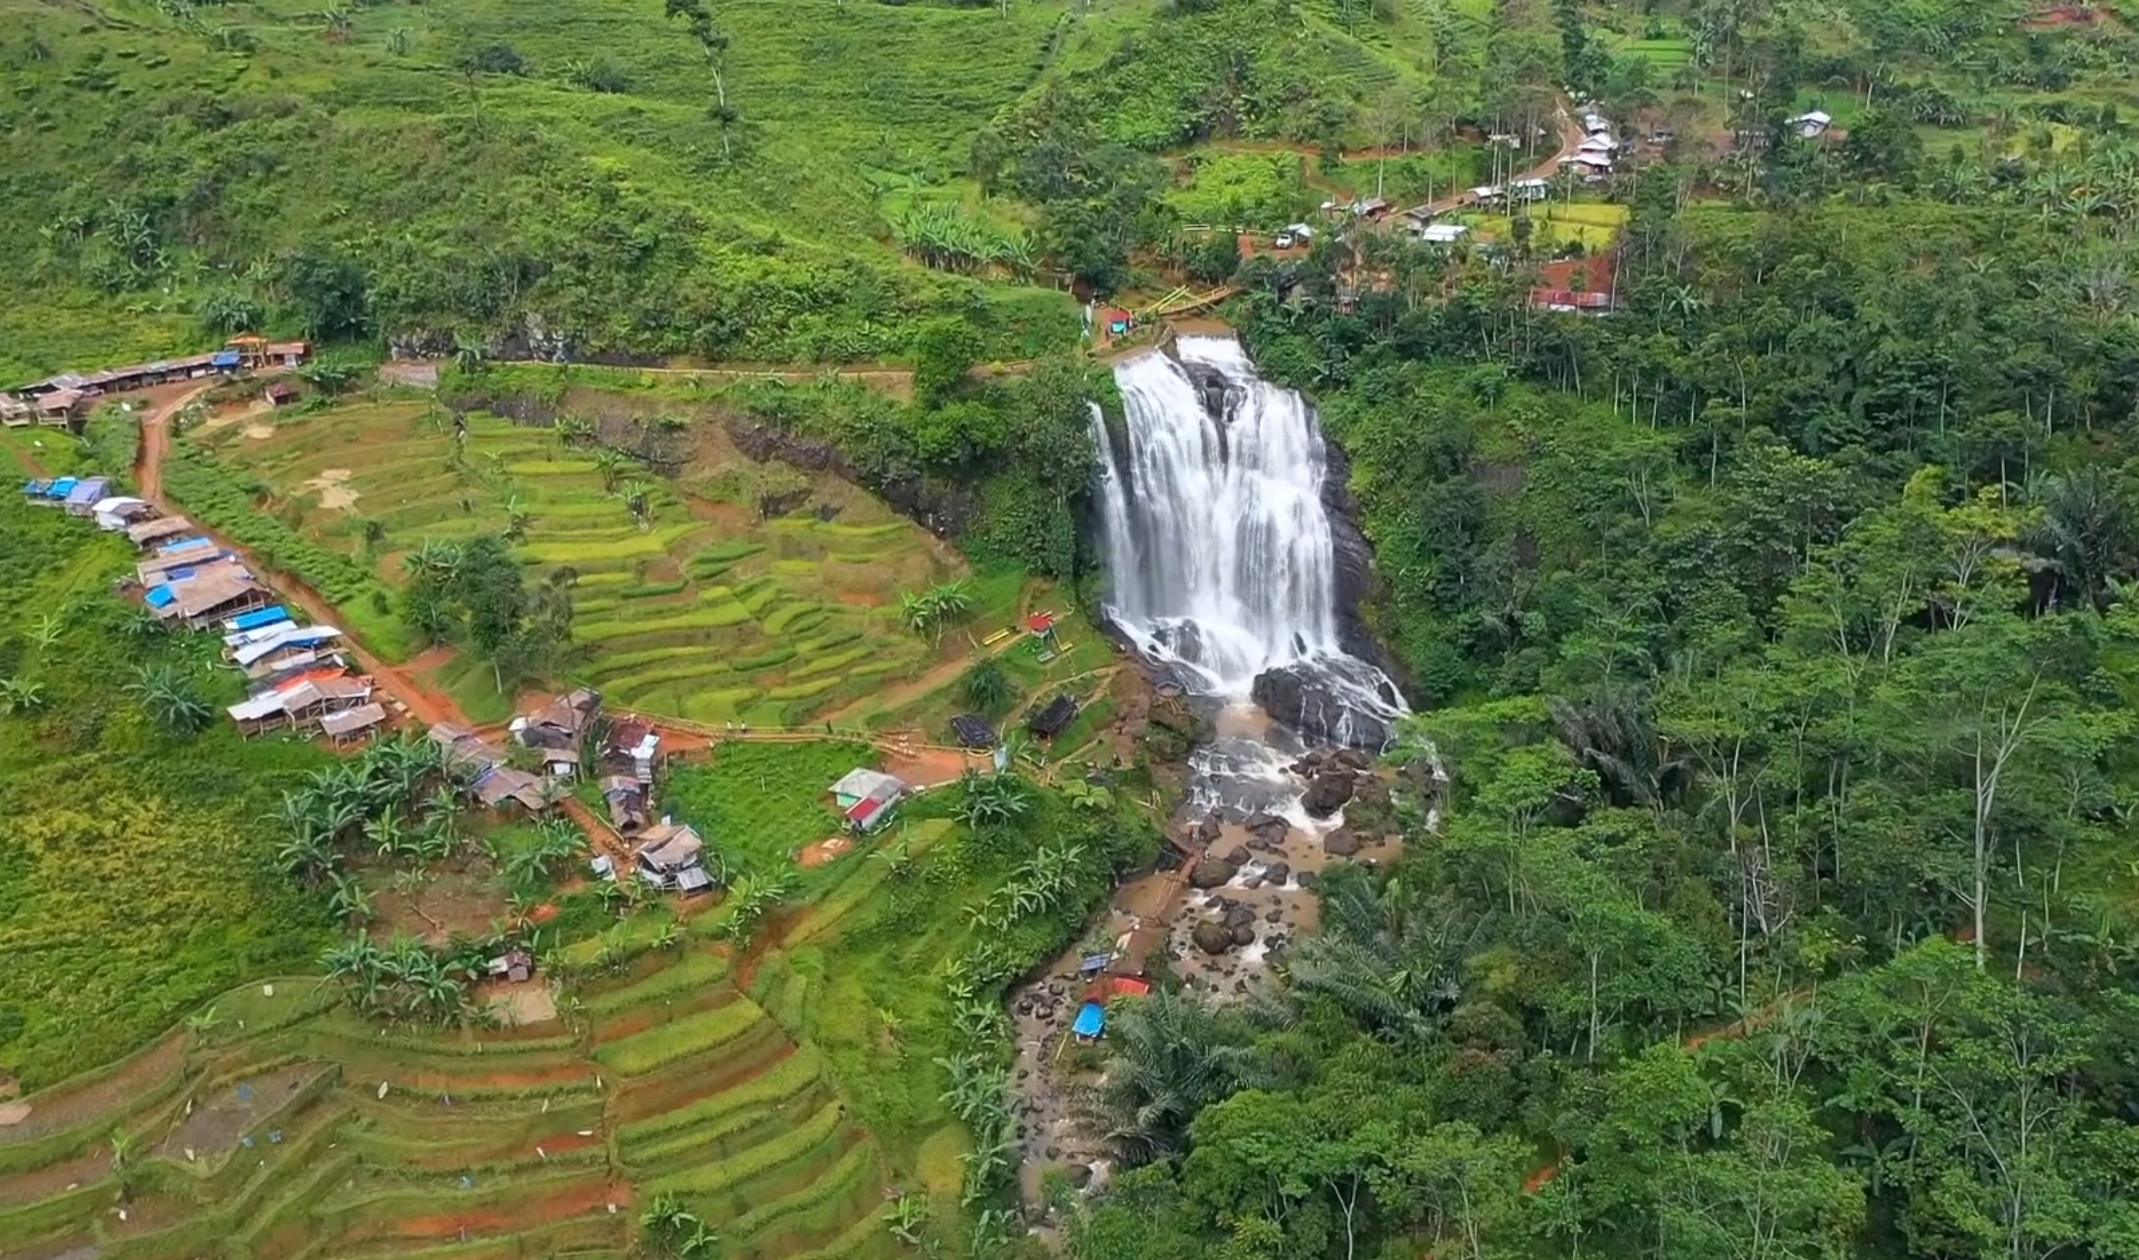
[{"x": 1219, "y": 548}]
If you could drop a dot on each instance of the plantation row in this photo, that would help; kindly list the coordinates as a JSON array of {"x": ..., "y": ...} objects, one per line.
[{"x": 307, "y": 1131}]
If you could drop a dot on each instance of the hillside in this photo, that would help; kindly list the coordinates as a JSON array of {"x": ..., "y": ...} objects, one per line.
[{"x": 537, "y": 177}]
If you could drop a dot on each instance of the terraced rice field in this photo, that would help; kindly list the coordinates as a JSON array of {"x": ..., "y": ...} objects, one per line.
[
  {"x": 308, "y": 1133},
  {"x": 706, "y": 611}
]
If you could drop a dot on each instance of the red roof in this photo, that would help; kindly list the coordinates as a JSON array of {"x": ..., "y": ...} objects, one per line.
[
  {"x": 864, "y": 811},
  {"x": 1040, "y": 623}
]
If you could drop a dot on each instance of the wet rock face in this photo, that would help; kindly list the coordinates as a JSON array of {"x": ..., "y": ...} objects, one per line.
[
  {"x": 1325, "y": 707},
  {"x": 1339, "y": 843}
]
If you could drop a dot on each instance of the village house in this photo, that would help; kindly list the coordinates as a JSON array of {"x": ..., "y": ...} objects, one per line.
[
  {"x": 148, "y": 533},
  {"x": 279, "y": 394},
  {"x": 117, "y": 512},
  {"x": 671, "y": 856},
  {"x": 867, "y": 798},
  {"x": 558, "y": 730},
  {"x": 207, "y": 595},
  {"x": 464, "y": 749},
  {"x": 1811, "y": 125},
  {"x": 300, "y": 703},
  {"x": 633, "y": 747},
  {"x": 626, "y": 798},
  {"x": 83, "y": 498},
  {"x": 352, "y": 726},
  {"x": 499, "y": 784}
]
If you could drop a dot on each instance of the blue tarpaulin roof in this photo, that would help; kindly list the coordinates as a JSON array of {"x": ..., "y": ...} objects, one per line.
[
  {"x": 1091, "y": 1020},
  {"x": 36, "y": 486},
  {"x": 159, "y": 596},
  {"x": 266, "y": 616},
  {"x": 223, "y": 359},
  {"x": 86, "y": 492},
  {"x": 1095, "y": 962},
  {"x": 61, "y": 488},
  {"x": 183, "y": 544}
]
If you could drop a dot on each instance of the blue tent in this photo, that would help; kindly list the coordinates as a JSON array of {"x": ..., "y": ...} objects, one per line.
[
  {"x": 254, "y": 620},
  {"x": 160, "y": 596},
  {"x": 1091, "y": 1020}
]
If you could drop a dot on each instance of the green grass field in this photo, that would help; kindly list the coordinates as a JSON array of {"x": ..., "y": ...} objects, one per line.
[{"x": 709, "y": 612}]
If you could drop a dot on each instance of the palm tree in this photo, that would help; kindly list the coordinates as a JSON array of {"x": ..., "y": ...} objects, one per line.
[
  {"x": 986, "y": 687},
  {"x": 1170, "y": 1058},
  {"x": 612, "y": 465},
  {"x": 168, "y": 695},
  {"x": 637, "y": 495},
  {"x": 1382, "y": 957}
]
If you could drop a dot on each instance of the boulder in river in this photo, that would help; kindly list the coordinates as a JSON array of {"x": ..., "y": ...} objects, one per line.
[
  {"x": 1327, "y": 792},
  {"x": 1212, "y": 938},
  {"x": 1268, "y": 828},
  {"x": 1244, "y": 935},
  {"x": 1211, "y": 873},
  {"x": 1340, "y": 843}
]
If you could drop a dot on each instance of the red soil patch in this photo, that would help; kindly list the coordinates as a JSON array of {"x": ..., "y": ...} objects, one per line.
[
  {"x": 768, "y": 938},
  {"x": 824, "y": 851},
  {"x": 444, "y": 1082},
  {"x": 572, "y": 1140},
  {"x": 64, "y": 1111},
  {"x": 859, "y": 599},
  {"x": 544, "y": 912},
  {"x": 28, "y": 1187},
  {"x": 554, "y": 1204},
  {"x": 661, "y": 1095},
  {"x": 1592, "y": 274},
  {"x": 646, "y": 1017},
  {"x": 929, "y": 767}
]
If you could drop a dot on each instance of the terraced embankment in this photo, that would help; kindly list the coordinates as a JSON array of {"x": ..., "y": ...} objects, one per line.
[{"x": 291, "y": 1129}]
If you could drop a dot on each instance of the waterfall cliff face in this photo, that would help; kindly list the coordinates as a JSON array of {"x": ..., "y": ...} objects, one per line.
[{"x": 1220, "y": 548}]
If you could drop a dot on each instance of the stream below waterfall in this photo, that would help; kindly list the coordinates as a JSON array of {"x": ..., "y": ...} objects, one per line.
[{"x": 1227, "y": 576}]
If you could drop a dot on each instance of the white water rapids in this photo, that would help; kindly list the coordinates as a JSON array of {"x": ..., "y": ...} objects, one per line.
[{"x": 1218, "y": 544}]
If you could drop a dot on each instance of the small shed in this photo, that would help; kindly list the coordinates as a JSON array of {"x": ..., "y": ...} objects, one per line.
[
  {"x": 255, "y": 620},
  {"x": 972, "y": 730},
  {"x": 226, "y": 360},
  {"x": 279, "y": 394},
  {"x": 514, "y": 965},
  {"x": 1091, "y": 1022},
  {"x": 1052, "y": 720}
]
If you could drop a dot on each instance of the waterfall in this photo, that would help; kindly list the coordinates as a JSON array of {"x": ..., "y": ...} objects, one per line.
[{"x": 1218, "y": 544}]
